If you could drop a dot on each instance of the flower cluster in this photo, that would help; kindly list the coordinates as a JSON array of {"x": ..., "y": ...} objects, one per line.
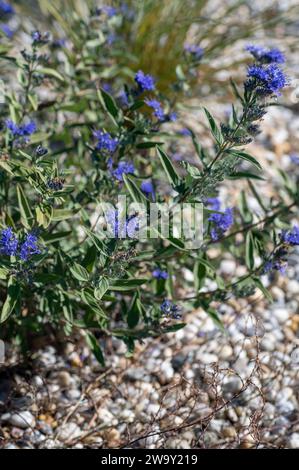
[
  {"x": 120, "y": 226},
  {"x": 279, "y": 261},
  {"x": 106, "y": 144},
  {"x": 157, "y": 107},
  {"x": 170, "y": 310},
  {"x": 267, "y": 56},
  {"x": 265, "y": 80},
  {"x": 10, "y": 246},
  {"x": 195, "y": 51},
  {"x": 144, "y": 81},
  {"x": 221, "y": 223},
  {"x": 8, "y": 242},
  {"x": 160, "y": 274},
  {"x": 290, "y": 237},
  {"x": 22, "y": 131},
  {"x": 123, "y": 168},
  {"x": 55, "y": 184},
  {"x": 6, "y": 8}
]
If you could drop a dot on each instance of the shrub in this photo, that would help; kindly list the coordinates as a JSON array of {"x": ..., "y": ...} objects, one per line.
[{"x": 79, "y": 129}]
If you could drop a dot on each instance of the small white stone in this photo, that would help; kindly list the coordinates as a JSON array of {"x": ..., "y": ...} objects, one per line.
[
  {"x": 294, "y": 441},
  {"x": 69, "y": 431},
  {"x": 228, "y": 267},
  {"x": 23, "y": 420},
  {"x": 281, "y": 314}
]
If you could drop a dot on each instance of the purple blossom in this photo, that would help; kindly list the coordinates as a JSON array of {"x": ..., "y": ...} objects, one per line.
[
  {"x": 194, "y": 50},
  {"x": 122, "y": 227},
  {"x": 265, "y": 55},
  {"x": 214, "y": 203},
  {"x": 6, "y": 8},
  {"x": 123, "y": 168},
  {"x": 24, "y": 130},
  {"x": 221, "y": 223},
  {"x": 109, "y": 10},
  {"x": 185, "y": 132},
  {"x": 294, "y": 159},
  {"x": 144, "y": 82},
  {"x": 123, "y": 98},
  {"x": 290, "y": 237},
  {"x": 29, "y": 247},
  {"x": 170, "y": 310},
  {"x": 265, "y": 79},
  {"x": 7, "y": 30},
  {"x": 159, "y": 274},
  {"x": 148, "y": 188},
  {"x": 157, "y": 107},
  {"x": 106, "y": 143},
  {"x": 8, "y": 242}
]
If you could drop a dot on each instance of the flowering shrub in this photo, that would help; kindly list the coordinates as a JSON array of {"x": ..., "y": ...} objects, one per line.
[{"x": 78, "y": 128}]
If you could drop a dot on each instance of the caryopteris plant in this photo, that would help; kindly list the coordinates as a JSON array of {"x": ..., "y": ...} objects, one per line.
[{"x": 78, "y": 129}]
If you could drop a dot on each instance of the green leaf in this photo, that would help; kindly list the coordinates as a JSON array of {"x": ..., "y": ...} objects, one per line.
[
  {"x": 249, "y": 255},
  {"x": 97, "y": 241},
  {"x": 101, "y": 288},
  {"x": 52, "y": 73},
  {"x": 4, "y": 273},
  {"x": 245, "y": 156},
  {"x": 148, "y": 145},
  {"x": 136, "y": 194},
  {"x": 174, "y": 328},
  {"x": 134, "y": 312},
  {"x": 79, "y": 272},
  {"x": 214, "y": 128},
  {"x": 262, "y": 288},
  {"x": 26, "y": 214},
  {"x": 169, "y": 169},
  {"x": 93, "y": 343},
  {"x": 55, "y": 237},
  {"x": 63, "y": 214},
  {"x": 125, "y": 284},
  {"x": 13, "y": 294},
  {"x": 108, "y": 104}
]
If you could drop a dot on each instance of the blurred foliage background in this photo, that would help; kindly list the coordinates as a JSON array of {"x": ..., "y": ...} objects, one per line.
[{"x": 154, "y": 38}]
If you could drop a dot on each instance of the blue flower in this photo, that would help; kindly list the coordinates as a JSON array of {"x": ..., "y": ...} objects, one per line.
[
  {"x": 221, "y": 223},
  {"x": 265, "y": 79},
  {"x": 278, "y": 262},
  {"x": 122, "y": 227},
  {"x": 6, "y": 8},
  {"x": 24, "y": 130},
  {"x": 214, "y": 203},
  {"x": 294, "y": 159},
  {"x": 196, "y": 51},
  {"x": 144, "y": 82},
  {"x": 157, "y": 107},
  {"x": 8, "y": 242},
  {"x": 123, "y": 98},
  {"x": 170, "y": 310},
  {"x": 185, "y": 132},
  {"x": 122, "y": 168},
  {"x": 290, "y": 237},
  {"x": 265, "y": 55},
  {"x": 29, "y": 247},
  {"x": 148, "y": 188},
  {"x": 109, "y": 10},
  {"x": 106, "y": 143},
  {"x": 7, "y": 30},
  {"x": 159, "y": 274}
]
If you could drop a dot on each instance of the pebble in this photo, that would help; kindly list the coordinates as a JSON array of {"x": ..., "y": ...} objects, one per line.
[
  {"x": 69, "y": 431},
  {"x": 23, "y": 419},
  {"x": 294, "y": 441}
]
